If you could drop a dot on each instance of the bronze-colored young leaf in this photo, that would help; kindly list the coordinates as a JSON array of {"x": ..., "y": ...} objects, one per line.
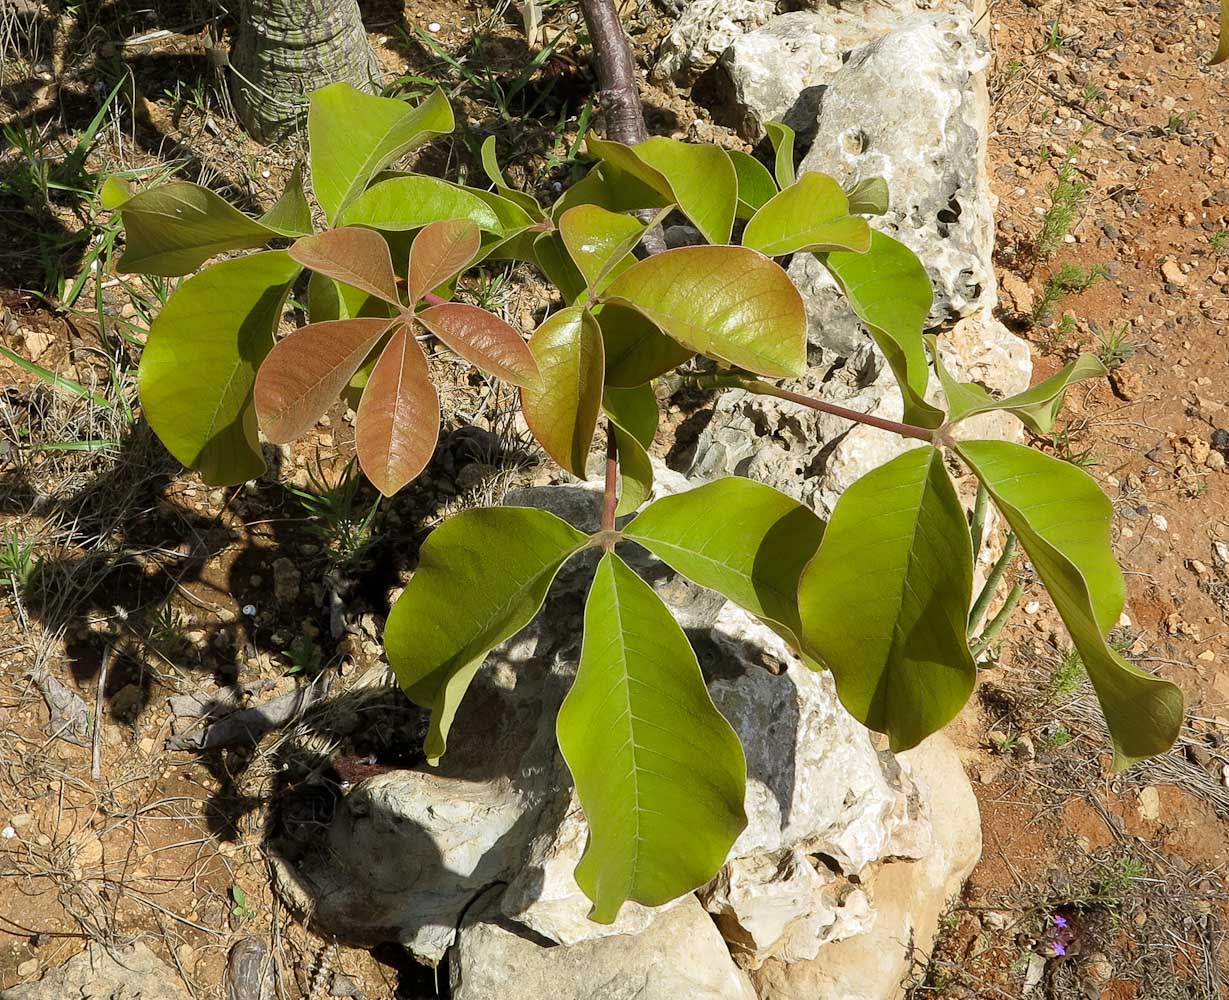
[
  {"x": 636, "y": 351},
  {"x": 659, "y": 772},
  {"x": 440, "y": 251},
  {"x": 307, "y": 370},
  {"x": 398, "y": 419},
  {"x": 173, "y": 228},
  {"x": 885, "y": 602},
  {"x": 353, "y": 136},
  {"x": 200, "y": 362},
  {"x": 890, "y": 292},
  {"x": 484, "y": 340},
  {"x": 633, "y": 415},
  {"x": 481, "y": 577},
  {"x": 730, "y": 303},
  {"x": 354, "y": 256},
  {"x": 1063, "y": 521},
  {"x": 811, "y": 214},
  {"x": 291, "y": 215},
  {"x": 562, "y": 409}
]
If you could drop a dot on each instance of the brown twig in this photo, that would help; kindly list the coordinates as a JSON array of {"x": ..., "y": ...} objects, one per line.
[
  {"x": 895, "y": 426},
  {"x": 619, "y": 92},
  {"x": 96, "y": 752},
  {"x": 610, "y": 495}
]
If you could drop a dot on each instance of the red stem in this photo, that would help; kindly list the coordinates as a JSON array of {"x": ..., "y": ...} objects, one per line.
[
  {"x": 896, "y": 427},
  {"x": 610, "y": 495}
]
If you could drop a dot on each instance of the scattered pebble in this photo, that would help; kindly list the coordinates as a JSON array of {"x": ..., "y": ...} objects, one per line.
[
  {"x": 1032, "y": 607},
  {"x": 8, "y": 833},
  {"x": 1160, "y": 522},
  {"x": 433, "y": 27}
]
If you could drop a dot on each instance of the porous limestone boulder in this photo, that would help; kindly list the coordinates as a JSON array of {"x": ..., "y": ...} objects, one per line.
[
  {"x": 130, "y": 972},
  {"x": 785, "y": 906},
  {"x": 907, "y": 898},
  {"x": 681, "y": 955},
  {"x": 704, "y": 30},
  {"x": 910, "y": 107}
]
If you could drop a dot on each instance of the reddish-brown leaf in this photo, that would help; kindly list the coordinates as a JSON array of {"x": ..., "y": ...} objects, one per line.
[
  {"x": 484, "y": 340},
  {"x": 306, "y": 371},
  {"x": 439, "y": 251},
  {"x": 399, "y": 416},
  {"x": 353, "y": 256}
]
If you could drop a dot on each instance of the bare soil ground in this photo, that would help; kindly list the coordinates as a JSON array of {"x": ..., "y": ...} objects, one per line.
[{"x": 114, "y": 561}]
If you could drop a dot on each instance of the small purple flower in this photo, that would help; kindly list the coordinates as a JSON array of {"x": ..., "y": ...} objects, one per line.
[
  {"x": 1060, "y": 948},
  {"x": 1059, "y": 920}
]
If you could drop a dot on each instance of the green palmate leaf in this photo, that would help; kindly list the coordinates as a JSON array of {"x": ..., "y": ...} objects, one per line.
[
  {"x": 869, "y": 197},
  {"x": 1036, "y": 407},
  {"x": 490, "y": 166},
  {"x": 740, "y": 538},
  {"x": 782, "y": 138},
  {"x": 353, "y": 136},
  {"x": 482, "y": 339},
  {"x": 731, "y": 303},
  {"x": 633, "y": 415},
  {"x": 599, "y": 241},
  {"x": 412, "y": 201},
  {"x": 608, "y": 187},
  {"x": 291, "y": 215},
  {"x": 700, "y": 180},
  {"x": 174, "y": 228},
  {"x": 200, "y": 362},
  {"x": 636, "y": 351},
  {"x": 354, "y": 256},
  {"x": 307, "y": 370},
  {"x": 811, "y": 214},
  {"x": 554, "y": 261},
  {"x": 562, "y": 408},
  {"x": 1222, "y": 50},
  {"x": 888, "y": 289},
  {"x": 659, "y": 772},
  {"x": 755, "y": 184},
  {"x": 440, "y": 252},
  {"x": 481, "y": 577},
  {"x": 398, "y": 417},
  {"x": 1063, "y": 521},
  {"x": 885, "y": 601}
]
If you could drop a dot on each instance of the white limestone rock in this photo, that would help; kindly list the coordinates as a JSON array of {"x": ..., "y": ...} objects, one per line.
[
  {"x": 782, "y": 906},
  {"x": 910, "y": 107},
  {"x": 680, "y": 956},
  {"x": 703, "y": 31}
]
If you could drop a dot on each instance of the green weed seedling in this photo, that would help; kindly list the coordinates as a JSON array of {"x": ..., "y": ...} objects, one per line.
[{"x": 879, "y": 595}]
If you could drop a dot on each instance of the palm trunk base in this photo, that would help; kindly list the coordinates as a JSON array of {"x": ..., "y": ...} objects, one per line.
[{"x": 285, "y": 49}]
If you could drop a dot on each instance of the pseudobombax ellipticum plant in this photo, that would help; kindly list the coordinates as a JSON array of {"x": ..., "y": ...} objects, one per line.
[{"x": 880, "y": 595}]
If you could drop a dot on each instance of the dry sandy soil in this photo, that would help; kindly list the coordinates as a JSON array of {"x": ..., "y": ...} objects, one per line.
[{"x": 115, "y": 560}]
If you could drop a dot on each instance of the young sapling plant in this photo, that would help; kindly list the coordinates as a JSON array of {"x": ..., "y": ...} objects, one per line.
[{"x": 879, "y": 595}]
